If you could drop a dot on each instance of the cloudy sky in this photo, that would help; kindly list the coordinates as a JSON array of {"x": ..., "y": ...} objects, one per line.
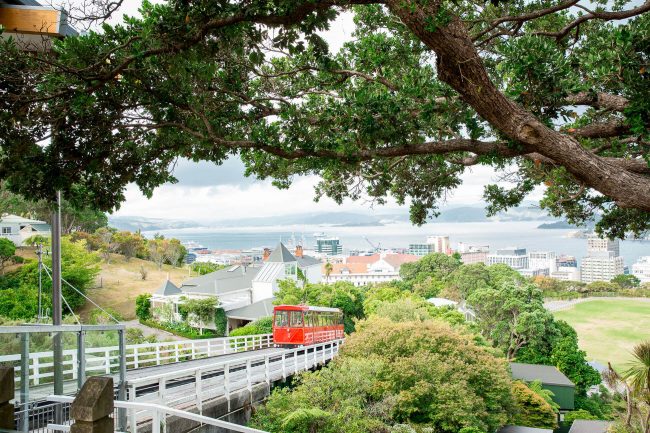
[{"x": 206, "y": 192}]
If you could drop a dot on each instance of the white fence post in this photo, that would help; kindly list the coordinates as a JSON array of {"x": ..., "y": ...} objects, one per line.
[
  {"x": 199, "y": 391},
  {"x": 284, "y": 367},
  {"x": 226, "y": 382},
  {"x": 107, "y": 360},
  {"x": 267, "y": 374}
]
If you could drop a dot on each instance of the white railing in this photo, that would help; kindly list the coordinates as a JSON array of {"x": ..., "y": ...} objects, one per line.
[
  {"x": 156, "y": 415},
  {"x": 106, "y": 360},
  {"x": 193, "y": 386}
]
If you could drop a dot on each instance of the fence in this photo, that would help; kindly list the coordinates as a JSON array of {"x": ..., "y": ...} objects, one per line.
[
  {"x": 202, "y": 383},
  {"x": 157, "y": 416},
  {"x": 106, "y": 360}
]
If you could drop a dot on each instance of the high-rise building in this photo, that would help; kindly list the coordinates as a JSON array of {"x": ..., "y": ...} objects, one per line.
[
  {"x": 470, "y": 254},
  {"x": 514, "y": 257},
  {"x": 329, "y": 246},
  {"x": 641, "y": 269},
  {"x": 542, "y": 260},
  {"x": 434, "y": 244},
  {"x": 602, "y": 262}
]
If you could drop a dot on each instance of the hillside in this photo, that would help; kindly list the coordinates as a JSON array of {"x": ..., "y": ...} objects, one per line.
[{"x": 119, "y": 283}]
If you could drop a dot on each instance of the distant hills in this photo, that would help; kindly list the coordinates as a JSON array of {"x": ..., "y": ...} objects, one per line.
[{"x": 464, "y": 214}]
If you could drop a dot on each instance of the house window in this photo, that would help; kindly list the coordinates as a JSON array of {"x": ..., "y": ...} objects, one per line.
[{"x": 6, "y": 230}]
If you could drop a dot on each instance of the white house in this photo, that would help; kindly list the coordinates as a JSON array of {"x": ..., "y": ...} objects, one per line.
[
  {"x": 244, "y": 292},
  {"x": 362, "y": 270},
  {"x": 17, "y": 229}
]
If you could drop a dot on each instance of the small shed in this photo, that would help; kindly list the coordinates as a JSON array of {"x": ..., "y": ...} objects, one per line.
[
  {"x": 552, "y": 379},
  {"x": 589, "y": 426}
]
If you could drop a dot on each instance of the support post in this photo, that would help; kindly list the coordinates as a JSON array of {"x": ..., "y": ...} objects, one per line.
[
  {"x": 81, "y": 359},
  {"x": 121, "y": 391},
  {"x": 6, "y": 395},
  {"x": 24, "y": 381},
  {"x": 57, "y": 312},
  {"x": 92, "y": 407}
]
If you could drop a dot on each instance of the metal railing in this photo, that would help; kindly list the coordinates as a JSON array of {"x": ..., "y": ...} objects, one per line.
[
  {"x": 77, "y": 364},
  {"x": 223, "y": 378},
  {"x": 157, "y": 415}
]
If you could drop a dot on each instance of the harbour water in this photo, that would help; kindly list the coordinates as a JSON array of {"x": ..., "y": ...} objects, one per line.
[{"x": 495, "y": 234}]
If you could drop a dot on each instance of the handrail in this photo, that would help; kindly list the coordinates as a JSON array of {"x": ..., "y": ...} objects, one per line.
[
  {"x": 157, "y": 410},
  {"x": 39, "y": 327}
]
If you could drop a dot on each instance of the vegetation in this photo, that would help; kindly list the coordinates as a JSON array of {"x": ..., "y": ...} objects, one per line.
[
  {"x": 7, "y": 253},
  {"x": 199, "y": 311},
  {"x": 396, "y": 373},
  {"x": 260, "y": 326},
  {"x": 143, "y": 306},
  {"x": 19, "y": 289},
  {"x": 202, "y": 268},
  {"x": 533, "y": 409}
]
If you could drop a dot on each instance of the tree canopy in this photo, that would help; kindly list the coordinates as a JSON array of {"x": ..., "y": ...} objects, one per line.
[{"x": 551, "y": 93}]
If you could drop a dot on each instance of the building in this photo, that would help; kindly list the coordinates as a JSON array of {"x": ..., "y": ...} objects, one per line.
[
  {"x": 565, "y": 261},
  {"x": 329, "y": 246},
  {"x": 551, "y": 378},
  {"x": 543, "y": 260},
  {"x": 566, "y": 273},
  {"x": 17, "y": 229},
  {"x": 590, "y": 426},
  {"x": 522, "y": 429},
  {"x": 434, "y": 244},
  {"x": 362, "y": 270},
  {"x": 470, "y": 254},
  {"x": 244, "y": 292},
  {"x": 603, "y": 261},
  {"x": 514, "y": 257},
  {"x": 641, "y": 269},
  {"x": 530, "y": 272},
  {"x": 32, "y": 25}
]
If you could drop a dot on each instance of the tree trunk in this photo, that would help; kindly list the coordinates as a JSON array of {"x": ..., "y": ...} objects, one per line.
[{"x": 459, "y": 65}]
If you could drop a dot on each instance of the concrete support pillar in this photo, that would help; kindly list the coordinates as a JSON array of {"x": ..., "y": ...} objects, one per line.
[
  {"x": 7, "y": 394},
  {"x": 91, "y": 408}
]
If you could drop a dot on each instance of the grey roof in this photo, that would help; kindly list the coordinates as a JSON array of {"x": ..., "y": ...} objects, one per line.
[
  {"x": 306, "y": 261},
  {"x": 600, "y": 368},
  {"x": 521, "y": 429},
  {"x": 547, "y": 374},
  {"x": 589, "y": 426},
  {"x": 270, "y": 272},
  {"x": 281, "y": 255},
  {"x": 223, "y": 281},
  {"x": 168, "y": 288},
  {"x": 254, "y": 311}
]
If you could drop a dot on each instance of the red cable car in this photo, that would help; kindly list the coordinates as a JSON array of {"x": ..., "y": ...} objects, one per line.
[{"x": 299, "y": 325}]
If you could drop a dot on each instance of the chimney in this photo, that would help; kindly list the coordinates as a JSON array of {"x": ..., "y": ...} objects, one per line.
[
  {"x": 267, "y": 253},
  {"x": 299, "y": 252}
]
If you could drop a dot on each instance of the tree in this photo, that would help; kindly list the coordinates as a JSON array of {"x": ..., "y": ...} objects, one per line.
[
  {"x": 7, "y": 252},
  {"x": 627, "y": 281},
  {"x": 128, "y": 244},
  {"x": 200, "y": 311},
  {"x": 511, "y": 315},
  {"x": 156, "y": 252},
  {"x": 391, "y": 373},
  {"x": 444, "y": 85},
  {"x": 202, "y": 268},
  {"x": 106, "y": 243},
  {"x": 532, "y": 409},
  {"x": 328, "y": 271}
]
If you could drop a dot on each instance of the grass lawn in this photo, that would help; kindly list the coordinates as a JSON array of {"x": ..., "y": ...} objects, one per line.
[
  {"x": 609, "y": 328},
  {"x": 119, "y": 283}
]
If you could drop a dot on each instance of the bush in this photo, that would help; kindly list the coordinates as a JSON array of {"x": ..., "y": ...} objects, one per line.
[
  {"x": 180, "y": 329},
  {"x": 18, "y": 260},
  {"x": 143, "y": 306},
  {"x": 260, "y": 326},
  {"x": 99, "y": 317},
  {"x": 220, "y": 322},
  {"x": 532, "y": 409}
]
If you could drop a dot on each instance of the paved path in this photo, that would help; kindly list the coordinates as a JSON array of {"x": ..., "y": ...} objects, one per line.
[
  {"x": 159, "y": 333},
  {"x": 564, "y": 304}
]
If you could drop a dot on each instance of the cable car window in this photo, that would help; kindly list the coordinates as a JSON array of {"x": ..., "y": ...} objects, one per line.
[
  {"x": 308, "y": 319},
  {"x": 281, "y": 318},
  {"x": 296, "y": 318}
]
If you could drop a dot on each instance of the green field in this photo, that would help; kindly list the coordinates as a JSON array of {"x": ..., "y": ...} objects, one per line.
[{"x": 609, "y": 328}]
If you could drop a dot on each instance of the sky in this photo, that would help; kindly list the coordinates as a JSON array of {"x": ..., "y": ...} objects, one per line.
[{"x": 206, "y": 192}]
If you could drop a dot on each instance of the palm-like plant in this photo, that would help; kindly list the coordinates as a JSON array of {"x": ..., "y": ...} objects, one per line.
[{"x": 638, "y": 371}]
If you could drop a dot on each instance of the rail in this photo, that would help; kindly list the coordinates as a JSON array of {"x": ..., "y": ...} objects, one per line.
[
  {"x": 106, "y": 360},
  {"x": 223, "y": 378},
  {"x": 157, "y": 416}
]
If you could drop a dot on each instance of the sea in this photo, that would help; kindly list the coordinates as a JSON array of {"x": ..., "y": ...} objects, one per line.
[{"x": 495, "y": 234}]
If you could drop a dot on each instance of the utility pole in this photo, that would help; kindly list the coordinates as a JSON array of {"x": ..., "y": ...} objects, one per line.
[{"x": 57, "y": 346}]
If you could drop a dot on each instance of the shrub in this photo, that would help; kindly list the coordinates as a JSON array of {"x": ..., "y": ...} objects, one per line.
[
  {"x": 260, "y": 326},
  {"x": 220, "y": 322},
  {"x": 18, "y": 260},
  {"x": 532, "y": 409},
  {"x": 143, "y": 306}
]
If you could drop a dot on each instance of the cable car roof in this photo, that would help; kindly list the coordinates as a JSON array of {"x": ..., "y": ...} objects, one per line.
[{"x": 306, "y": 308}]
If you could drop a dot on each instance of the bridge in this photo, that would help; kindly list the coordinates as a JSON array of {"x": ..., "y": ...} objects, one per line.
[{"x": 212, "y": 378}]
